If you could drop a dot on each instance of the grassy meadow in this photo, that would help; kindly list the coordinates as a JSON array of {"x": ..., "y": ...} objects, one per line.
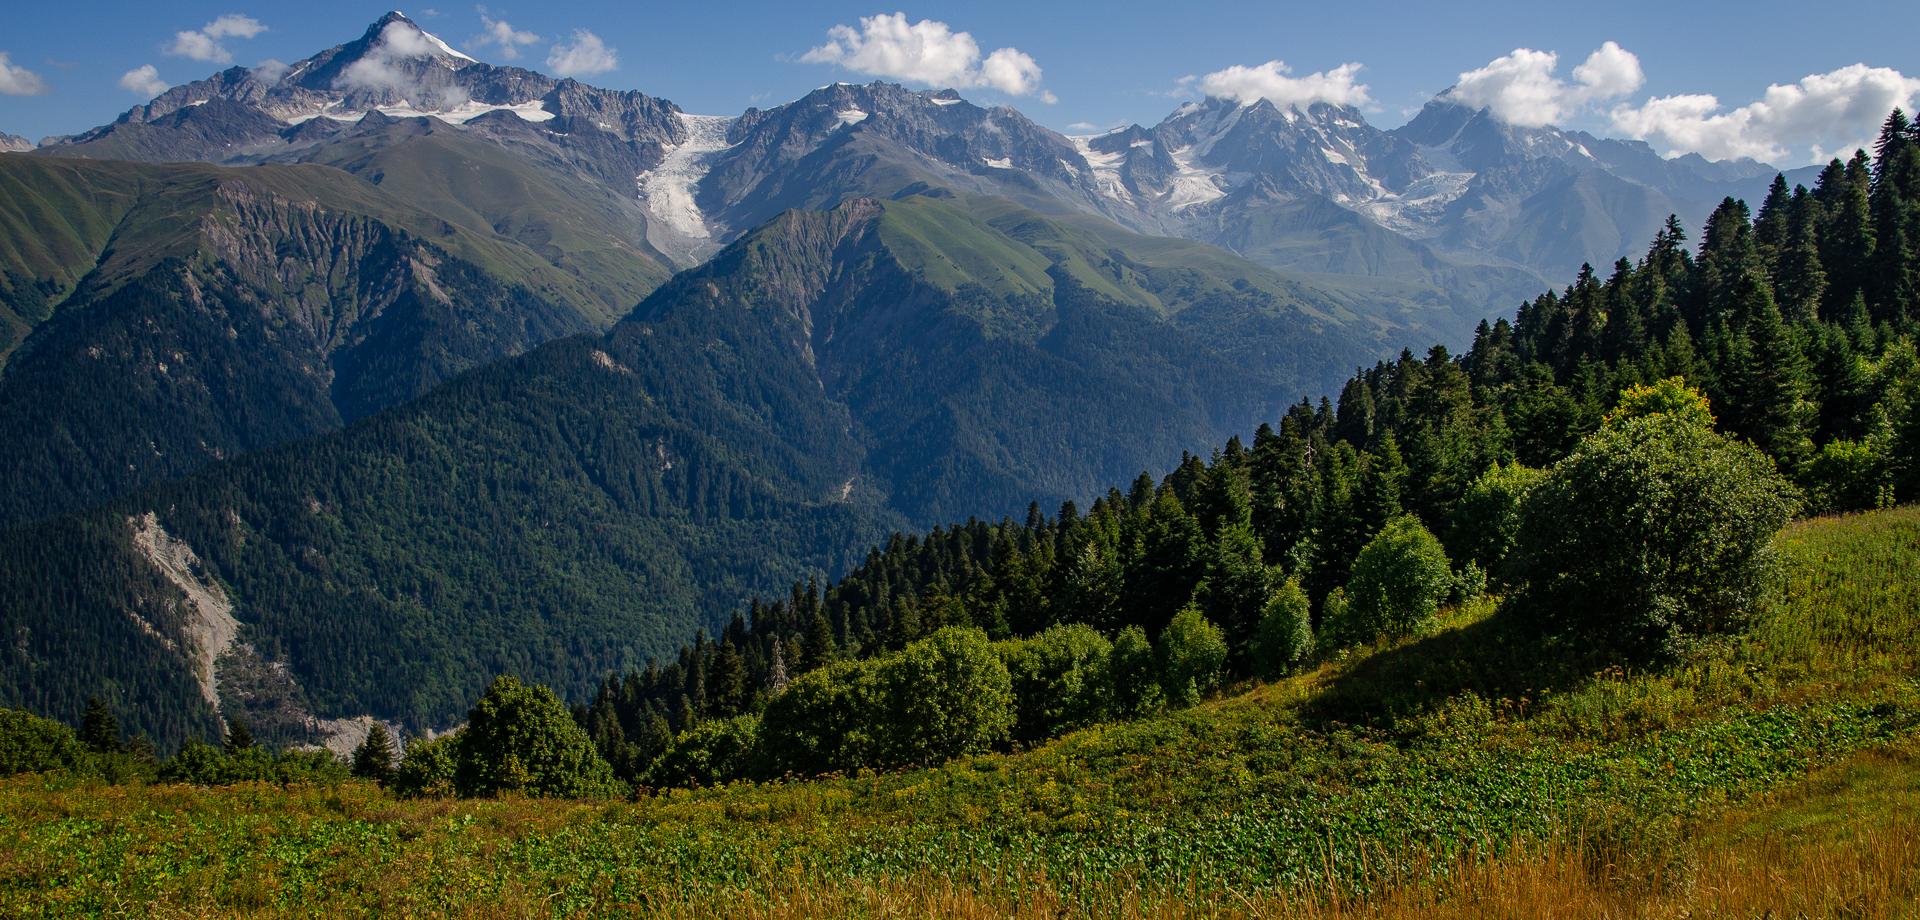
[{"x": 1459, "y": 774}]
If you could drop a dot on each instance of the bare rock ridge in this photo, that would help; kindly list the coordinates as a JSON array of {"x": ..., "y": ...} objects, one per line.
[{"x": 205, "y": 628}]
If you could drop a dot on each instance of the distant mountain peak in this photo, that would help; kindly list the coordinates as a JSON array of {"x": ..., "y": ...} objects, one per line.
[{"x": 402, "y": 36}]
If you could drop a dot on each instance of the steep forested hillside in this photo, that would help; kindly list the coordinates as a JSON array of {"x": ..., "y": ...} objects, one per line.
[
  {"x": 827, "y": 378},
  {"x": 160, "y": 318}
]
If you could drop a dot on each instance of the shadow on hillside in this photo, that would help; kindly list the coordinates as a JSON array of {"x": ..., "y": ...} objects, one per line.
[{"x": 1498, "y": 658}]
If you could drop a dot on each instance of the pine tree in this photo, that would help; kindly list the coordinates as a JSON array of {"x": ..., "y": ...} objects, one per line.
[
  {"x": 1354, "y": 419},
  {"x": 1386, "y": 477},
  {"x": 238, "y": 737},
  {"x": 99, "y": 729},
  {"x": 1893, "y": 285},
  {"x": 1770, "y": 226},
  {"x": 820, "y": 646},
  {"x": 1730, "y": 266},
  {"x": 373, "y": 759},
  {"x": 1800, "y": 280},
  {"x": 1848, "y": 244},
  {"x": 1626, "y": 332},
  {"x": 1236, "y": 586},
  {"x": 1771, "y": 386},
  {"x": 727, "y": 688},
  {"x": 1163, "y": 563}
]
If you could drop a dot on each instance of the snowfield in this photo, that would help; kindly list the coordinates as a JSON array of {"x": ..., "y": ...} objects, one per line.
[{"x": 668, "y": 189}]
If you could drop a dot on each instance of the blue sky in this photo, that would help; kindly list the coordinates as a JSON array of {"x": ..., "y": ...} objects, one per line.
[{"x": 1101, "y": 63}]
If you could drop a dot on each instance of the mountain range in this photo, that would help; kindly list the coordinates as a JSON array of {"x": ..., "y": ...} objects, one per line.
[
  {"x": 335, "y": 390},
  {"x": 1485, "y": 211}
]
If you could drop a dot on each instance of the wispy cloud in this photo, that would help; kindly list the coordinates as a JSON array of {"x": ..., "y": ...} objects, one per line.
[
  {"x": 928, "y": 52},
  {"x": 204, "y": 43},
  {"x": 502, "y": 35}
]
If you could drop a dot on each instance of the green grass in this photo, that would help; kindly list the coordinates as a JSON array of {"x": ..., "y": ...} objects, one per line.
[{"x": 1252, "y": 796}]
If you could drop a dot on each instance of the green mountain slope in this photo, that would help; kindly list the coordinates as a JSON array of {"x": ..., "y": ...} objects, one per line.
[
  {"x": 829, "y": 377},
  {"x": 576, "y": 223},
  {"x": 991, "y": 356},
  {"x": 161, "y": 317}
]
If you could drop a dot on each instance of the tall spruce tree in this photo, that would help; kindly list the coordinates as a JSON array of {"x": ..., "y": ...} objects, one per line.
[
  {"x": 373, "y": 759},
  {"x": 99, "y": 728}
]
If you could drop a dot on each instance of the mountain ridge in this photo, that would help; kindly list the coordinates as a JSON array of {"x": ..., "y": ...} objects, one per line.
[{"x": 1454, "y": 199}]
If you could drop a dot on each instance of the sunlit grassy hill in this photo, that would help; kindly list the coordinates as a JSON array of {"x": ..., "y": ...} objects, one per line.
[{"x": 1463, "y": 773}]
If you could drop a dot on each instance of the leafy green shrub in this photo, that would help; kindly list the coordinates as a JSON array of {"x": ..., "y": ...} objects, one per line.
[
  {"x": 1284, "y": 638},
  {"x": 712, "y": 752},
  {"x": 823, "y": 721},
  {"x": 1468, "y": 582},
  {"x": 945, "y": 695},
  {"x": 319, "y": 766},
  {"x": 203, "y": 764},
  {"x": 1848, "y": 476},
  {"x": 1191, "y": 654},
  {"x": 31, "y": 744},
  {"x": 1062, "y": 680},
  {"x": 1670, "y": 397},
  {"x": 1486, "y": 519},
  {"x": 428, "y": 767},
  {"x": 1399, "y": 580},
  {"x": 1653, "y": 531},
  {"x": 1136, "y": 676},
  {"x": 521, "y": 738}
]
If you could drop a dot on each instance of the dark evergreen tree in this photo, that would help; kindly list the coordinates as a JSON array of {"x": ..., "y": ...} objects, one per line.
[
  {"x": 238, "y": 738},
  {"x": 374, "y": 758},
  {"x": 99, "y": 728}
]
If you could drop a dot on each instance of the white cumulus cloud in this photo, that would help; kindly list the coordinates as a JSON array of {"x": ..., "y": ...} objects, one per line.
[
  {"x": 1822, "y": 116},
  {"x": 1273, "y": 81},
  {"x": 1521, "y": 88},
  {"x": 19, "y": 81},
  {"x": 583, "y": 54},
  {"x": 928, "y": 52},
  {"x": 502, "y": 35},
  {"x": 204, "y": 43},
  {"x": 143, "y": 81}
]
